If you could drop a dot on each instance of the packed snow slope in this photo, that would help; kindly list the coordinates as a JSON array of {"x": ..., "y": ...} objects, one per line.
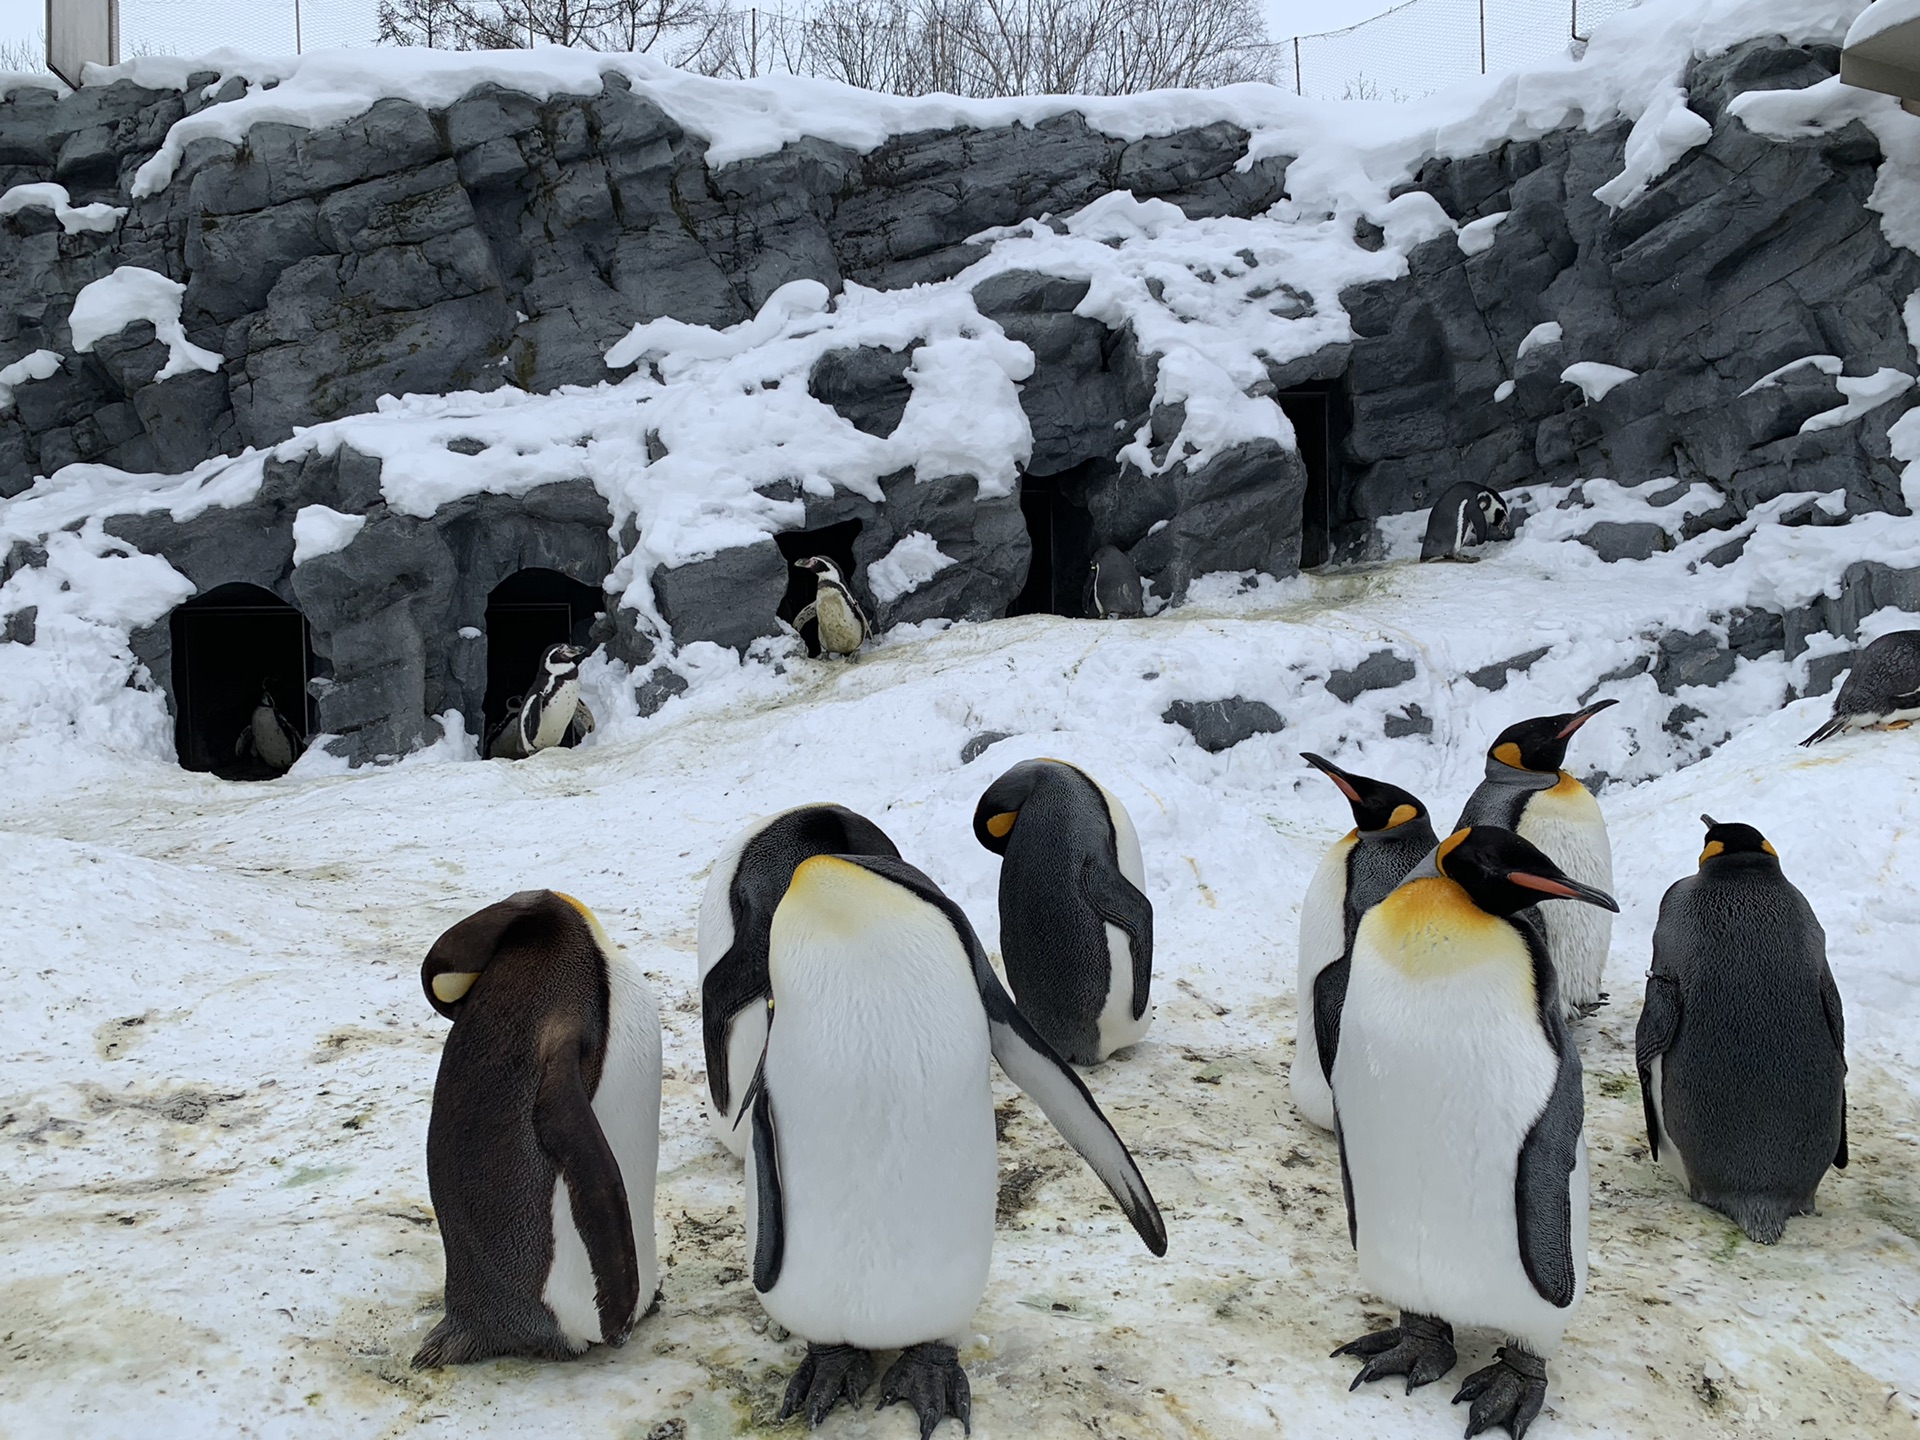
[{"x": 217, "y": 1062}]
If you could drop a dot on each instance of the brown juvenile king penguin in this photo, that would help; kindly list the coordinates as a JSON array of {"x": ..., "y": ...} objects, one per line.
[
  {"x": 1462, "y": 1128},
  {"x": 838, "y": 619},
  {"x": 1527, "y": 792},
  {"x": 1742, "y": 1044},
  {"x": 545, "y": 1133},
  {"x": 736, "y": 913},
  {"x": 1391, "y": 835},
  {"x": 1076, "y": 927}
]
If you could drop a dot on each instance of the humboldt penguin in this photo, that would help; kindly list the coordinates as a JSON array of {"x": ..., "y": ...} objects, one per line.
[
  {"x": 1076, "y": 927},
  {"x": 1466, "y": 515},
  {"x": 1526, "y": 791},
  {"x": 745, "y": 885},
  {"x": 1742, "y": 1044},
  {"x": 1113, "y": 586},
  {"x": 1882, "y": 689},
  {"x": 873, "y": 1172},
  {"x": 270, "y": 738},
  {"x": 542, "y": 1146},
  {"x": 838, "y": 619},
  {"x": 551, "y": 713},
  {"x": 1391, "y": 835},
  {"x": 1462, "y": 1128}
]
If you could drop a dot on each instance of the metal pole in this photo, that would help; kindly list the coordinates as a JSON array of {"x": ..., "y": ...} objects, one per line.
[
  {"x": 753, "y": 55},
  {"x": 1483, "y": 37},
  {"x": 296, "y": 27},
  {"x": 1298, "y": 88}
]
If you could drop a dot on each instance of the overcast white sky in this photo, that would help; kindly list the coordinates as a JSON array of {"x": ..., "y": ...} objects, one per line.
[{"x": 24, "y": 19}]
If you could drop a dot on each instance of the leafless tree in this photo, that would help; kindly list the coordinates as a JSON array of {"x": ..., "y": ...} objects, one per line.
[{"x": 436, "y": 24}]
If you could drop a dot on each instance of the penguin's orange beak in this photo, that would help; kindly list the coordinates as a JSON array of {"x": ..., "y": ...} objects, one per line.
[
  {"x": 1563, "y": 889},
  {"x": 1334, "y": 773},
  {"x": 1580, "y": 717}
]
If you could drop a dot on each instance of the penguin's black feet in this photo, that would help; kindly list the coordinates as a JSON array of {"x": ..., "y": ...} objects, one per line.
[
  {"x": 1592, "y": 1007},
  {"x": 1508, "y": 1392},
  {"x": 1420, "y": 1347},
  {"x": 929, "y": 1378},
  {"x": 829, "y": 1374}
]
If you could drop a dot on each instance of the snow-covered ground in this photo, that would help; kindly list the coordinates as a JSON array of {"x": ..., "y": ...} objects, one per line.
[{"x": 217, "y": 1064}]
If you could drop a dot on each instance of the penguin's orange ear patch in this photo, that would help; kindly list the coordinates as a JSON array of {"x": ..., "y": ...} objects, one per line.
[
  {"x": 1001, "y": 825},
  {"x": 451, "y": 986},
  {"x": 1767, "y": 845},
  {"x": 1448, "y": 846},
  {"x": 1401, "y": 815},
  {"x": 1714, "y": 847},
  {"x": 1508, "y": 754}
]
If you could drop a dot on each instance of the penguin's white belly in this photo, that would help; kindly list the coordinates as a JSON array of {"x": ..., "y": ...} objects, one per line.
[
  {"x": 1323, "y": 934},
  {"x": 270, "y": 741},
  {"x": 1565, "y": 822},
  {"x": 1437, "y": 1085},
  {"x": 555, "y": 718},
  {"x": 1119, "y": 1027},
  {"x": 1670, "y": 1155},
  {"x": 840, "y": 628},
  {"x": 627, "y": 1107},
  {"x": 888, "y": 1167}
]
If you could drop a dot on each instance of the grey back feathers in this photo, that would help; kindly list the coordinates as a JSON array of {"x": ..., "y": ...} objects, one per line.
[
  {"x": 1883, "y": 685},
  {"x": 1113, "y": 590},
  {"x": 1741, "y": 1044},
  {"x": 1466, "y": 514}
]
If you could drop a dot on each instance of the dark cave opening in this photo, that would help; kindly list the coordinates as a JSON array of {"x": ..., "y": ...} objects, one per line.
[
  {"x": 1316, "y": 412},
  {"x": 1060, "y": 531},
  {"x": 528, "y": 611},
  {"x": 228, "y": 645},
  {"x": 835, "y": 543}
]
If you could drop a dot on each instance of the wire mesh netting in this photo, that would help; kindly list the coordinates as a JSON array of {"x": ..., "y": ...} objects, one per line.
[
  {"x": 1422, "y": 46},
  {"x": 261, "y": 27}
]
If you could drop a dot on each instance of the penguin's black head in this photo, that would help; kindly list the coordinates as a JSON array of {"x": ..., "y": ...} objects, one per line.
[
  {"x": 1503, "y": 874},
  {"x": 559, "y": 659},
  {"x": 1376, "y": 805},
  {"x": 821, "y": 566},
  {"x": 999, "y": 809},
  {"x": 1733, "y": 839},
  {"x": 1493, "y": 509},
  {"x": 463, "y": 952},
  {"x": 1541, "y": 743}
]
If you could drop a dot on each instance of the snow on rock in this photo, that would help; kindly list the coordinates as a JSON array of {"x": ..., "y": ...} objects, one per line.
[
  {"x": 318, "y": 530},
  {"x": 1547, "y": 332},
  {"x": 1503, "y": 391},
  {"x": 98, "y": 216},
  {"x": 1864, "y": 393},
  {"x": 1665, "y": 131},
  {"x": 1881, "y": 15},
  {"x": 1415, "y": 218},
  {"x": 1477, "y": 235},
  {"x": 914, "y": 560},
  {"x": 37, "y": 365},
  {"x": 130, "y": 293},
  {"x": 1825, "y": 364},
  {"x": 1595, "y": 379}
]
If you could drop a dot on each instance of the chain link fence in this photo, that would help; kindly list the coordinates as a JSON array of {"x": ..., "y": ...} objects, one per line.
[
  {"x": 1422, "y": 46},
  {"x": 259, "y": 27}
]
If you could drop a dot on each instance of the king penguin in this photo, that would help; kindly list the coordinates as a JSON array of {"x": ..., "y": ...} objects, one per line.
[
  {"x": 551, "y": 713},
  {"x": 1462, "y": 1128},
  {"x": 736, "y": 912},
  {"x": 1391, "y": 835},
  {"x": 1076, "y": 927},
  {"x": 838, "y": 619},
  {"x": 1466, "y": 515},
  {"x": 1742, "y": 1044},
  {"x": 1113, "y": 586},
  {"x": 545, "y": 1133},
  {"x": 1883, "y": 688},
  {"x": 270, "y": 737},
  {"x": 1526, "y": 791},
  {"x": 873, "y": 1174}
]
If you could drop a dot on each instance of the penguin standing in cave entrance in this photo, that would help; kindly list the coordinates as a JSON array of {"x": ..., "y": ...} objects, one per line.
[
  {"x": 270, "y": 738},
  {"x": 837, "y": 616},
  {"x": 552, "y": 713}
]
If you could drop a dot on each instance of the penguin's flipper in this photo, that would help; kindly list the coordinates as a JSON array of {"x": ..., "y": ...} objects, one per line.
[
  {"x": 1346, "y": 1183},
  {"x": 1837, "y": 1028},
  {"x": 808, "y": 611},
  {"x": 243, "y": 746},
  {"x": 1036, "y": 1067},
  {"x": 1329, "y": 1000},
  {"x": 1116, "y": 900},
  {"x": 737, "y": 980},
  {"x": 770, "y": 1249},
  {"x": 1827, "y": 730},
  {"x": 1543, "y": 1201},
  {"x": 580, "y": 726},
  {"x": 564, "y": 1124},
  {"x": 1659, "y": 1024}
]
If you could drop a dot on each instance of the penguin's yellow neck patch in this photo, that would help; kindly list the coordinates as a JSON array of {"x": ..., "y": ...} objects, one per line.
[
  {"x": 1508, "y": 754},
  {"x": 1000, "y": 825},
  {"x": 1567, "y": 786},
  {"x": 834, "y": 896},
  {"x": 1429, "y": 929},
  {"x": 451, "y": 986},
  {"x": 594, "y": 927},
  {"x": 1401, "y": 815}
]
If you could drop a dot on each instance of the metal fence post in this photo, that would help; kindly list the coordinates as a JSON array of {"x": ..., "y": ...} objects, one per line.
[
  {"x": 1483, "y": 37},
  {"x": 1298, "y": 87}
]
